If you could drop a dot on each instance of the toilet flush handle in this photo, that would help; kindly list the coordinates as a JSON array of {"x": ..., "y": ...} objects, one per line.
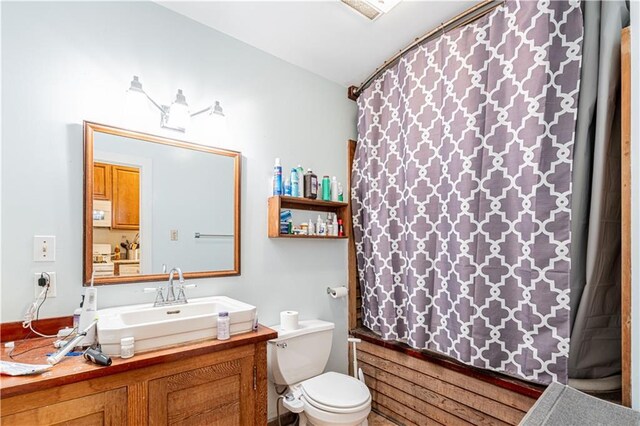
[{"x": 282, "y": 345}]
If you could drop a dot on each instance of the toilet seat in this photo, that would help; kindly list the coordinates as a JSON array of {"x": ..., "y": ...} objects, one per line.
[{"x": 336, "y": 393}]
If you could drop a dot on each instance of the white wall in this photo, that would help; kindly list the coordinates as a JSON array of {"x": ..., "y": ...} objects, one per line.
[
  {"x": 635, "y": 203},
  {"x": 67, "y": 62}
]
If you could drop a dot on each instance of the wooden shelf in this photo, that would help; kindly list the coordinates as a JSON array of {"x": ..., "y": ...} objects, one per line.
[
  {"x": 276, "y": 203},
  {"x": 319, "y": 237},
  {"x": 308, "y": 204}
]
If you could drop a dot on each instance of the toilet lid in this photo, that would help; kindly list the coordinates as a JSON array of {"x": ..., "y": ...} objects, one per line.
[{"x": 336, "y": 390}]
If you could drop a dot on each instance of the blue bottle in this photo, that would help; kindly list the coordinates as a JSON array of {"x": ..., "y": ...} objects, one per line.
[
  {"x": 287, "y": 188},
  {"x": 295, "y": 183},
  {"x": 277, "y": 179}
]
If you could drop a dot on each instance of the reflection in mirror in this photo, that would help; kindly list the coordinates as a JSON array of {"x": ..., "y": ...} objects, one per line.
[{"x": 159, "y": 203}]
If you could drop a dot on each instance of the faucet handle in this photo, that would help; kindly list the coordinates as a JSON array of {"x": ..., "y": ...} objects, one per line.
[
  {"x": 157, "y": 291},
  {"x": 181, "y": 294}
]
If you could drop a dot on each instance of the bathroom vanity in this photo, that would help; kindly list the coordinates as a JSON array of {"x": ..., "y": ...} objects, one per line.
[{"x": 210, "y": 383}]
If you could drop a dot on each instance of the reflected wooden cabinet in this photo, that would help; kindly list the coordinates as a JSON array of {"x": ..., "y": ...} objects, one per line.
[
  {"x": 101, "y": 181},
  {"x": 121, "y": 186},
  {"x": 104, "y": 408},
  {"x": 220, "y": 394},
  {"x": 126, "y": 198}
]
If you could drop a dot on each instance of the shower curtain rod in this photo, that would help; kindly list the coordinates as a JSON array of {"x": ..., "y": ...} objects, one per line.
[{"x": 464, "y": 18}]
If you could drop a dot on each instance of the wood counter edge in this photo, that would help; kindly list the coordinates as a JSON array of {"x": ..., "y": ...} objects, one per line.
[{"x": 64, "y": 374}]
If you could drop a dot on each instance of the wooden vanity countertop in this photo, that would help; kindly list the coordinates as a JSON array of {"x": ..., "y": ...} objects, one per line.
[{"x": 75, "y": 369}]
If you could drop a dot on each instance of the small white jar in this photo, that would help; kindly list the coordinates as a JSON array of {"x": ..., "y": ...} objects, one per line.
[
  {"x": 127, "y": 349},
  {"x": 223, "y": 326}
]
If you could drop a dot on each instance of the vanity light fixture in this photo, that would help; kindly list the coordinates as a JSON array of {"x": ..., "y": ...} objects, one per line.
[{"x": 175, "y": 116}]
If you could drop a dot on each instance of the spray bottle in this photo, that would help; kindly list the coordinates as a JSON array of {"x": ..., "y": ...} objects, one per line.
[{"x": 277, "y": 178}]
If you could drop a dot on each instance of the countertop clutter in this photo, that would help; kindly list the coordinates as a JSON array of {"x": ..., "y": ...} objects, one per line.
[
  {"x": 208, "y": 382},
  {"x": 75, "y": 368}
]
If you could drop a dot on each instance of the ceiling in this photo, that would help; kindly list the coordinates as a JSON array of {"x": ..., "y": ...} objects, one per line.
[{"x": 325, "y": 37}]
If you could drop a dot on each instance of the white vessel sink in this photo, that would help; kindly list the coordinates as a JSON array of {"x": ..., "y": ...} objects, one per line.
[{"x": 159, "y": 327}]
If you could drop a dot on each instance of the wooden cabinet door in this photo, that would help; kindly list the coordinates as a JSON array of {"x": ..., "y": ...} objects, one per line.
[
  {"x": 126, "y": 197},
  {"x": 101, "y": 181},
  {"x": 105, "y": 408},
  {"x": 221, "y": 394}
]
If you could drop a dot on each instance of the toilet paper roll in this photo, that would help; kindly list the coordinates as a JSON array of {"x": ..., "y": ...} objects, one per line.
[
  {"x": 288, "y": 320},
  {"x": 337, "y": 292}
]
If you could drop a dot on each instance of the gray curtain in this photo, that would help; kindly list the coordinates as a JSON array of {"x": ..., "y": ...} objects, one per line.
[
  {"x": 595, "y": 227},
  {"x": 461, "y": 191}
]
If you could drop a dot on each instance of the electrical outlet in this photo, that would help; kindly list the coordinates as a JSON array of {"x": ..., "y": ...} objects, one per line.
[
  {"x": 44, "y": 248},
  {"x": 174, "y": 235},
  {"x": 52, "y": 284}
]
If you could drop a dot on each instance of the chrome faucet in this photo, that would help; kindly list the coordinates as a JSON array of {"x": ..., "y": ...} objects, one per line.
[
  {"x": 171, "y": 295},
  {"x": 171, "y": 298}
]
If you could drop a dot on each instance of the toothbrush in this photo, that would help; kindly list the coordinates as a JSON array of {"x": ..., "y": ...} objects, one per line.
[{"x": 56, "y": 357}]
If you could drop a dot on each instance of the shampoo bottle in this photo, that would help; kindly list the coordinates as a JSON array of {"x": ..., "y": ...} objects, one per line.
[
  {"x": 340, "y": 192},
  {"x": 277, "y": 178}
]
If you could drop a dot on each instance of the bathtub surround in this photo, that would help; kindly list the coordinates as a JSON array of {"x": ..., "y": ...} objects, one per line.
[
  {"x": 63, "y": 63},
  {"x": 462, "y": 192}
]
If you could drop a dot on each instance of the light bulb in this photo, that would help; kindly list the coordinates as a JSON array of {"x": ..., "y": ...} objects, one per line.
[
  {"x": 137, "y": 110},
  {"x": 178, "y": 115}
]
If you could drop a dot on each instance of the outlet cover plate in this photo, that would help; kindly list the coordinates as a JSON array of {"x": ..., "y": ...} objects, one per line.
[{"x": 52, "y": 284}]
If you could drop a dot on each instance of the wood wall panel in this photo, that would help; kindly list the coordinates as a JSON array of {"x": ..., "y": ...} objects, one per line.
[
  {"x": 416, "y": 391},
  {"x": 626, "y": 215},
  {"x": 355, "y": 298}
]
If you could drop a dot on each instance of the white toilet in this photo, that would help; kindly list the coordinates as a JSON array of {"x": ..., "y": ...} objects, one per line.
[{"x": 297, "y": 359}]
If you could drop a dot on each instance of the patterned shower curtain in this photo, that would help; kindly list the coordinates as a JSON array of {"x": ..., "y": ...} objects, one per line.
[{"x": 461, "y": 191}]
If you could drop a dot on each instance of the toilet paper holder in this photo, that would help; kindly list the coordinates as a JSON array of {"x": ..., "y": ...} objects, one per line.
[{"x": 337, "y": 292}]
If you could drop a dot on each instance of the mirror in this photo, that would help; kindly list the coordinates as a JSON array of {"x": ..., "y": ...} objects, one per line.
[{"x": 152, "y": 203}]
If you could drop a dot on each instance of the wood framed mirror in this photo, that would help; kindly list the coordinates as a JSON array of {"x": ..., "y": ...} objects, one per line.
[{"x": 152, "y": 203}]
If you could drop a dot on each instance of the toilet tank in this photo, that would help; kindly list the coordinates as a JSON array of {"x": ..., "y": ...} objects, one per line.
[{"x": 300, "y": 354}]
